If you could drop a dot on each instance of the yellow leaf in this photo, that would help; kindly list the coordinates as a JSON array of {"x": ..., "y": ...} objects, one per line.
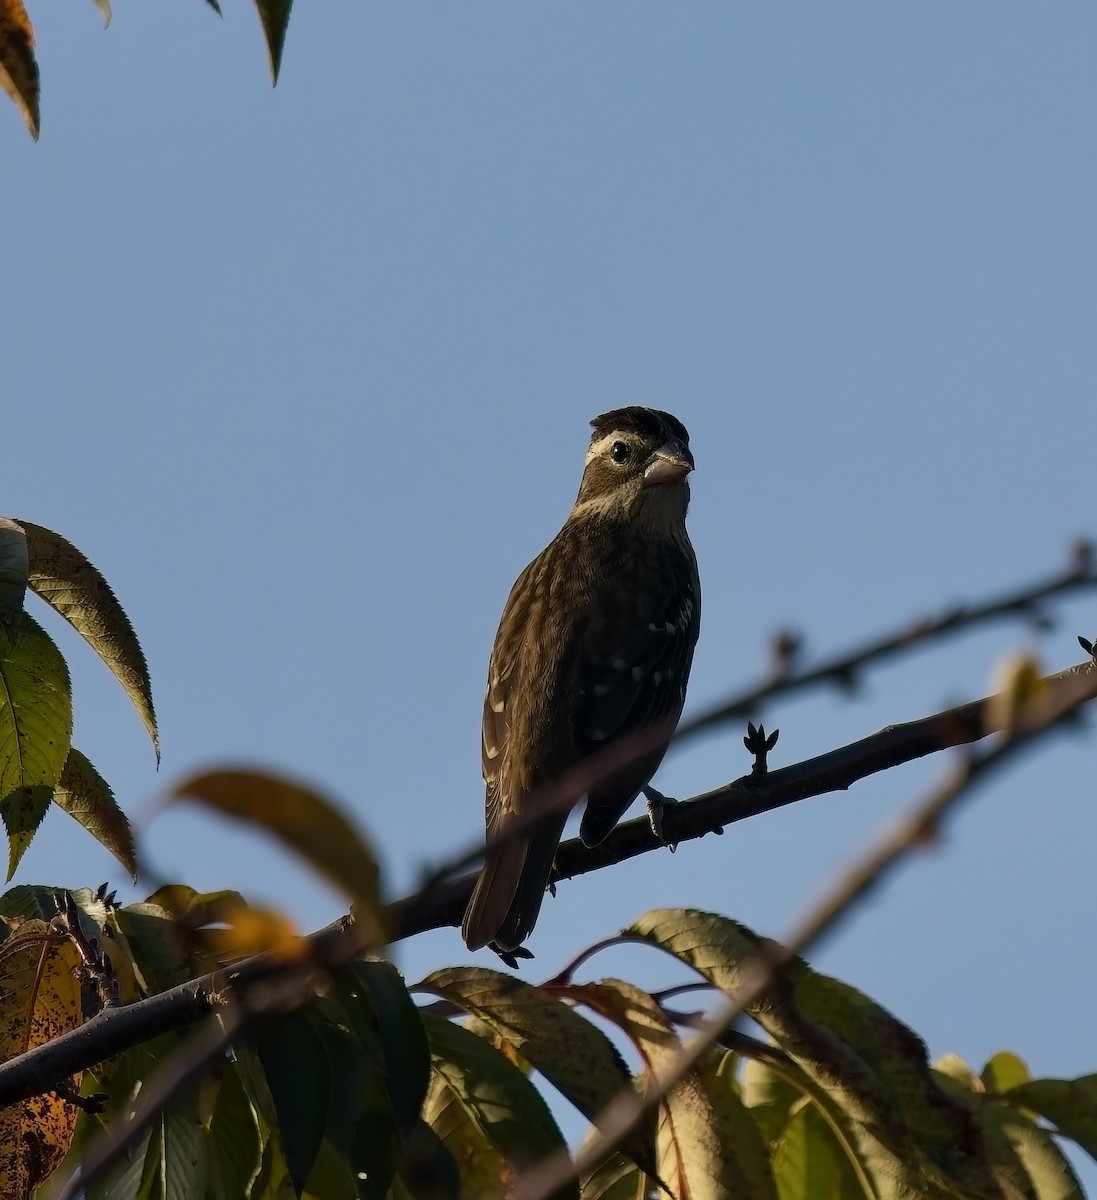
[
  {"x": 39, "y": 1000},
  {"x": 18, "y": 69},
  {"x": 305, "y": 822},
  {"x": 249, "y": 931},
  {"x": 1018, "y": 681}
]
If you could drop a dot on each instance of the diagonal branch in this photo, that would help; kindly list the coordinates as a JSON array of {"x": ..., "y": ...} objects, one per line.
[
  {"x": 441, "y": 902},
  {"x": 712, "y": 811}
]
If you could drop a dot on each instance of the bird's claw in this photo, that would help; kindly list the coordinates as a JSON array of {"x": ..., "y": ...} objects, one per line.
[
  {"x": 511, "y": 957},
  {"x": 657, "y": 805}
]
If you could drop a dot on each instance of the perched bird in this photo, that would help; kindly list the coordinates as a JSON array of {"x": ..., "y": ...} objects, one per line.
[{"x": 595, "y": 642}]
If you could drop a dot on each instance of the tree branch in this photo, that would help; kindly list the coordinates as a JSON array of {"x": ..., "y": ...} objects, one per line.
[
  {"x": 712, "y": 812},
  {"x": 441, "y": 903}
]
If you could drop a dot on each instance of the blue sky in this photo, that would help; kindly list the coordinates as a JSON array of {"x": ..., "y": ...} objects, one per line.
[{"x": 307, "y": 374}]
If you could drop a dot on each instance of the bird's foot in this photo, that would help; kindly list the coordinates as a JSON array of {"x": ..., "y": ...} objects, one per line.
[
  {"x": 511, "y": 957},
  {"x": 657, "y": 806}
]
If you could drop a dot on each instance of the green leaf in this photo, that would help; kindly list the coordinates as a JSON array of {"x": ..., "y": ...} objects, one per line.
[
  {"x": 14, "y": 570},
  {"x": 331, "y": 1177},
  {"x": 953, "y": 1067},
  {"x": 427, "y": 1168},
  {"x": 86, "y": 796},
  {"x": 483, "y": 1171},
  {"x": 770, "y": 1097},
  {"x": 1026, "y": 1155},
  {"x": 1004, "y": 1071},
  {"x": 123, "y": 1180},
  {"x": 305, "y": 822},
  {"x": 869, "y": 1069},
  {"x": 387, "y": 1023},
  {"x": 122, "y": 1078},
  {"x": 618, "y": 1178},
  {"x": 69, "y": 584},
  {"x": 360, "y": 1123},
  {"x": 499, "y": 1101},
  {"x": 274, "y": 14},
  {"x": 154, "y": 944},
  {"x": 235, "y": 1142},
  {"x": 1069, "y": 1104},
  {"x": 184, "y": 1153},
  {"x": 23, "y": 811},
  {"x": 745, "y": 1166},
  {"x": 807, "y": 1164},
  {"x": 35, "y": 710},
  {"x": 30, "y": 901},
  {"x": 573, "y": 1055},
  {"x": 295, "y": 1063},
  {"x": 690, "y": 1158},
  {"x": 18, "y": 69}
]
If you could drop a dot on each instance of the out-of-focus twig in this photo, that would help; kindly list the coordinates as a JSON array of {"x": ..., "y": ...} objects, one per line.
[{"x": 844, "y": 669}]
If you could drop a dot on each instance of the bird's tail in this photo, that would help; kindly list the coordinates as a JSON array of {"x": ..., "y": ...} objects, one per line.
[{"x": 507, "y": 897}]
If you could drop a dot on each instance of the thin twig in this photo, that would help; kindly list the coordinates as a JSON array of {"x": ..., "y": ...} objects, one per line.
[{"x": 844, "y": 669}]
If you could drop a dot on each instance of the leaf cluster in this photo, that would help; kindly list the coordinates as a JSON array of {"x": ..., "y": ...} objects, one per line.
[
  {"x": 39, "y": 766},
  {"x": 363, "y": 1094}
]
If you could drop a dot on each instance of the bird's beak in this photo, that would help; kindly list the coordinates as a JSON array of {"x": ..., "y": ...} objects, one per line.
[{"x": 671, "y": 463}]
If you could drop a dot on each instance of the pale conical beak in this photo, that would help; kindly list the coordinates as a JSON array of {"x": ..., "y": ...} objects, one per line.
[{"x": 671, "y": 463}]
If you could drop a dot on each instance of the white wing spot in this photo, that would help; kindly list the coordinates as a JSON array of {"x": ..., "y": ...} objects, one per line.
[
  {"x": 653, "y": 628},
  {"x": 637, "y": 674},
  {"x": 596, "y": 735},
  {"x": 498, "y": 705},
  {"x": 619, "y": 664},
  {"x": 657, "y": 677},
  {"x": 601, "y": 689},
  {"x": 670, "y": 627}
]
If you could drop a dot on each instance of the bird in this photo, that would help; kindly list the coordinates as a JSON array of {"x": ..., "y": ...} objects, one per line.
[{"x": 595, "y": 643}]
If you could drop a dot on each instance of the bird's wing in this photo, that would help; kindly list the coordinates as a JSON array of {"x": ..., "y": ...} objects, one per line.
[
  {"x": 508, "y": 894},
  {"x": 633, "y": 675}
]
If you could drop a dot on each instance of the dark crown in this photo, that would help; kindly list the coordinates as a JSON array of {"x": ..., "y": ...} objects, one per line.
[{"x": 649, "y": 423}]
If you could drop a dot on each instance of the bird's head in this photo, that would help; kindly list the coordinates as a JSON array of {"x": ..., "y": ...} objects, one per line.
[{"x": 636, "y": 468}]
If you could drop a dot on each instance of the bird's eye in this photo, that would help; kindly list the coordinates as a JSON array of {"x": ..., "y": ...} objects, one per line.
[{"x": 620, "y": 452}]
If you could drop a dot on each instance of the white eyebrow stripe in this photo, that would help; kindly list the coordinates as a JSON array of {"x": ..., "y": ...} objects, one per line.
[{"x": 598, "y": 448}]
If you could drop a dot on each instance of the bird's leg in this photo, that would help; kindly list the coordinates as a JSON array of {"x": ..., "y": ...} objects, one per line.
[
  {"x": 657, "y": 805},
  {"x": 511, "y": 957}
]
